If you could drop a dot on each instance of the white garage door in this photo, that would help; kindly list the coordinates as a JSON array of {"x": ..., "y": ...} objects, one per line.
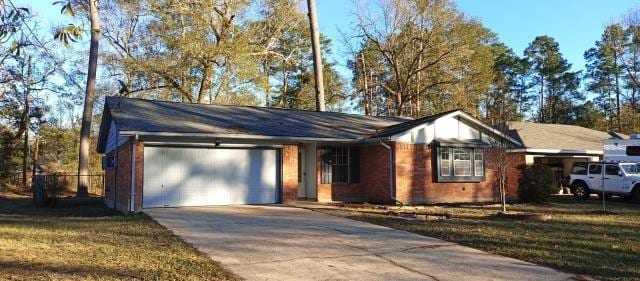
[{"x": 176, "y": 177}]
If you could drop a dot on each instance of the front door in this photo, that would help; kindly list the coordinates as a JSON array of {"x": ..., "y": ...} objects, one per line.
[
  {"x": 613, "y": 179},
  {"x": 595, "y": 176}
]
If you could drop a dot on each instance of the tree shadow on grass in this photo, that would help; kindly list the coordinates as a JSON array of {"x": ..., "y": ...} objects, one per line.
[
  {"x": 34, "y": 270},
  {"x": 65, "y": 207}
]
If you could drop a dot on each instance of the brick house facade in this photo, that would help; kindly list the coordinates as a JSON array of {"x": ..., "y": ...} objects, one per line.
[{"x": 324, "y": 157}]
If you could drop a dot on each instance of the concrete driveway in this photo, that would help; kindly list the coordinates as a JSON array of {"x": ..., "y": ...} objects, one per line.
[{"x": 285, "y": 243}]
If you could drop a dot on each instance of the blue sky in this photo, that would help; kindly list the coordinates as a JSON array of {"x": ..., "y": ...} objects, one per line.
[{"x": 575, "y": 24}]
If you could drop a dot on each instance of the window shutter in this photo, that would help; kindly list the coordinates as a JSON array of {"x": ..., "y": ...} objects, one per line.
[
  {"x": 354, "y": 165},
  {"x": 325, "y": 175}
]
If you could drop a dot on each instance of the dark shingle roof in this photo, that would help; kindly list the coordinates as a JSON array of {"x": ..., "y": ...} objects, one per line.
[
  {"x": 159, "y": 116},
  {"x": 557, "y": 136}
]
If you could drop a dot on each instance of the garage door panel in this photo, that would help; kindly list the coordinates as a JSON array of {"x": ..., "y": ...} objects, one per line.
[
  {"x": 152, "y": 180},
  {"x": 174, "y": 177},
  {"x": 194, "y": 169},
  {"x": 212, "y": 176},
  {"x": 262, "y": 183}
]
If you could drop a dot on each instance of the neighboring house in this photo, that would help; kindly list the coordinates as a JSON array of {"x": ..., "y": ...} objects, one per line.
[
  {"x": 170, "y": 154},
  {"x": 558, "y": 146}
]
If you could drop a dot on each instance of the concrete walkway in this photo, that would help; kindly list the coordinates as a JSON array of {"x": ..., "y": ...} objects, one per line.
[{"x": 285, "y": 243}]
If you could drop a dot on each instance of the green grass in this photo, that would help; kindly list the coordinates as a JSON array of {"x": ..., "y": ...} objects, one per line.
[
  {"x": 577, "y": 239},
  {"x": 83, "y": 239}
]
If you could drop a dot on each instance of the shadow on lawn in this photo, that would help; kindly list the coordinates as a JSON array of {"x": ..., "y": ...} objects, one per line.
[
  {"x": 575, "y": 240},
  {"x": 66, "y": 207}
]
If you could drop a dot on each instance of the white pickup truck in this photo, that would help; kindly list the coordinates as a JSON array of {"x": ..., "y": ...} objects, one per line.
[{"x": 615, "y": 178}]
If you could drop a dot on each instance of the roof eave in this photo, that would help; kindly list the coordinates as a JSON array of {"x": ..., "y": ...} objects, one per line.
[
  {"x": 558, "y": 151},
  {"x": 240, "y": 136}
]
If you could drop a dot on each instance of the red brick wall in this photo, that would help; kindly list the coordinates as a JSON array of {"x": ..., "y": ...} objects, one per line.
[
  {"x": 374, "y": 178},
  {"x": 375, "y": 174},
  {"x": 289, "y": 172},
  {"x": 415, "y": 183},
  {"x": 118, "y": 181}
]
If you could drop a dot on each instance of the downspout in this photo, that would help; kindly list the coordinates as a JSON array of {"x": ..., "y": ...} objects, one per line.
[
  {"x": 391, "y": 185},
  {"x": 115, "y": 178},
  {"x": 133, "y": 174}
]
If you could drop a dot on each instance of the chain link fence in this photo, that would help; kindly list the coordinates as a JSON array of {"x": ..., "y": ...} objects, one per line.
[{"x": 63, "y": 185}]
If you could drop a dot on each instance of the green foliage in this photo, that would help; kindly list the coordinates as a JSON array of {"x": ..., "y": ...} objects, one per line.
[
  {"x": 613, "y": 71},
  {"x": 9, "y": 163},
  {"x": 425, "y": 57},
  {"x": 509, "y": 98},
  {"x": 537, "y": 183},
  {"x": 589, "y": 116},
  {"x": 59, "y": 149},
  {"x": 557, "y": 85},
  {"x": 171, "y": 50}
]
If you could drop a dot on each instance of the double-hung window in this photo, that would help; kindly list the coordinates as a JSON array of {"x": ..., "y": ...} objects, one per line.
[
  {"x": 340, "y": 164},
  {"x": 460, "y": 164}
]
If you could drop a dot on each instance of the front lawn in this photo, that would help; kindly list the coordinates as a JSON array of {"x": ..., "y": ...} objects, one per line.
[
  {"x": 83, "y": 239},
  {"x": 577, "y": 239}
]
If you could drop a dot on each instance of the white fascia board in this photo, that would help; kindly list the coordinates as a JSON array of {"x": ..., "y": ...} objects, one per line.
[
  {"x": 483, "y": 125},
  {"x": 237, "y": 136}
]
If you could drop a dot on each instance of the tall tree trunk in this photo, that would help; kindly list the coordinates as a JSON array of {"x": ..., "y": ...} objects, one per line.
[
  {"x": 542, "y": 117},
  {"x": 205, "y": 83},
  {"x": 35, "y": 157},
  {"x": 618, "y": 120},
  {"x": 87, "y": 113},
  {"x": 317, "y": 55},
  {"x": 365, "y": 89},
  {"x": 267, "y": 85},
  {"x": 285, "y": 87},
  {"x": 25, "y": 122},
  {"x": 399, "y": 103}
]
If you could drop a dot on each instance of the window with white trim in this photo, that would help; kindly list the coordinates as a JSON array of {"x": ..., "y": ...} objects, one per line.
[
  {"x": 445, "y": 160},
  {"x": 461, "y": 161},
  {"x": 478, "y": 163},
  {"x": 460, "y": 164}
]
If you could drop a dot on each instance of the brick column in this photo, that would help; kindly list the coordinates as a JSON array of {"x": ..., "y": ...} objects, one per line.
[
  {"x": 139, "y": 175},
  {"x": 289, "y": 172}
]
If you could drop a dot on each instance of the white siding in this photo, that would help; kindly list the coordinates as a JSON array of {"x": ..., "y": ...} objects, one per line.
[
  {"x": 443, "y": 128},
  {"x": 114, "y": 139}
]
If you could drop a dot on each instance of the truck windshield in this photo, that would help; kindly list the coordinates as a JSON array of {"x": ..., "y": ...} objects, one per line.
[{"x": 631, "y": 168}]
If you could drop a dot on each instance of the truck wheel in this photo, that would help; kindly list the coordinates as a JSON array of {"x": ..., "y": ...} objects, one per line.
[
  {"x": 580, "y": 191},
  {"x": 635, "y": 195}
]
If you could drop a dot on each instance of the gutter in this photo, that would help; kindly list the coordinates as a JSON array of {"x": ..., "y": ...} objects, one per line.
[
  {"x": 133, "y": 175},
  {"x": 236, "y": 136},
  {"x": 556, "y": 151}
]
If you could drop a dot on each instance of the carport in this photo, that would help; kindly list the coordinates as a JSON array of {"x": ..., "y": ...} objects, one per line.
[{"x": 558, "y": 146}]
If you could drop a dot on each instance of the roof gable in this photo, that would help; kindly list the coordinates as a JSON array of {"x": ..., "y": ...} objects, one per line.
[{"x": 395, "y": 131}]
